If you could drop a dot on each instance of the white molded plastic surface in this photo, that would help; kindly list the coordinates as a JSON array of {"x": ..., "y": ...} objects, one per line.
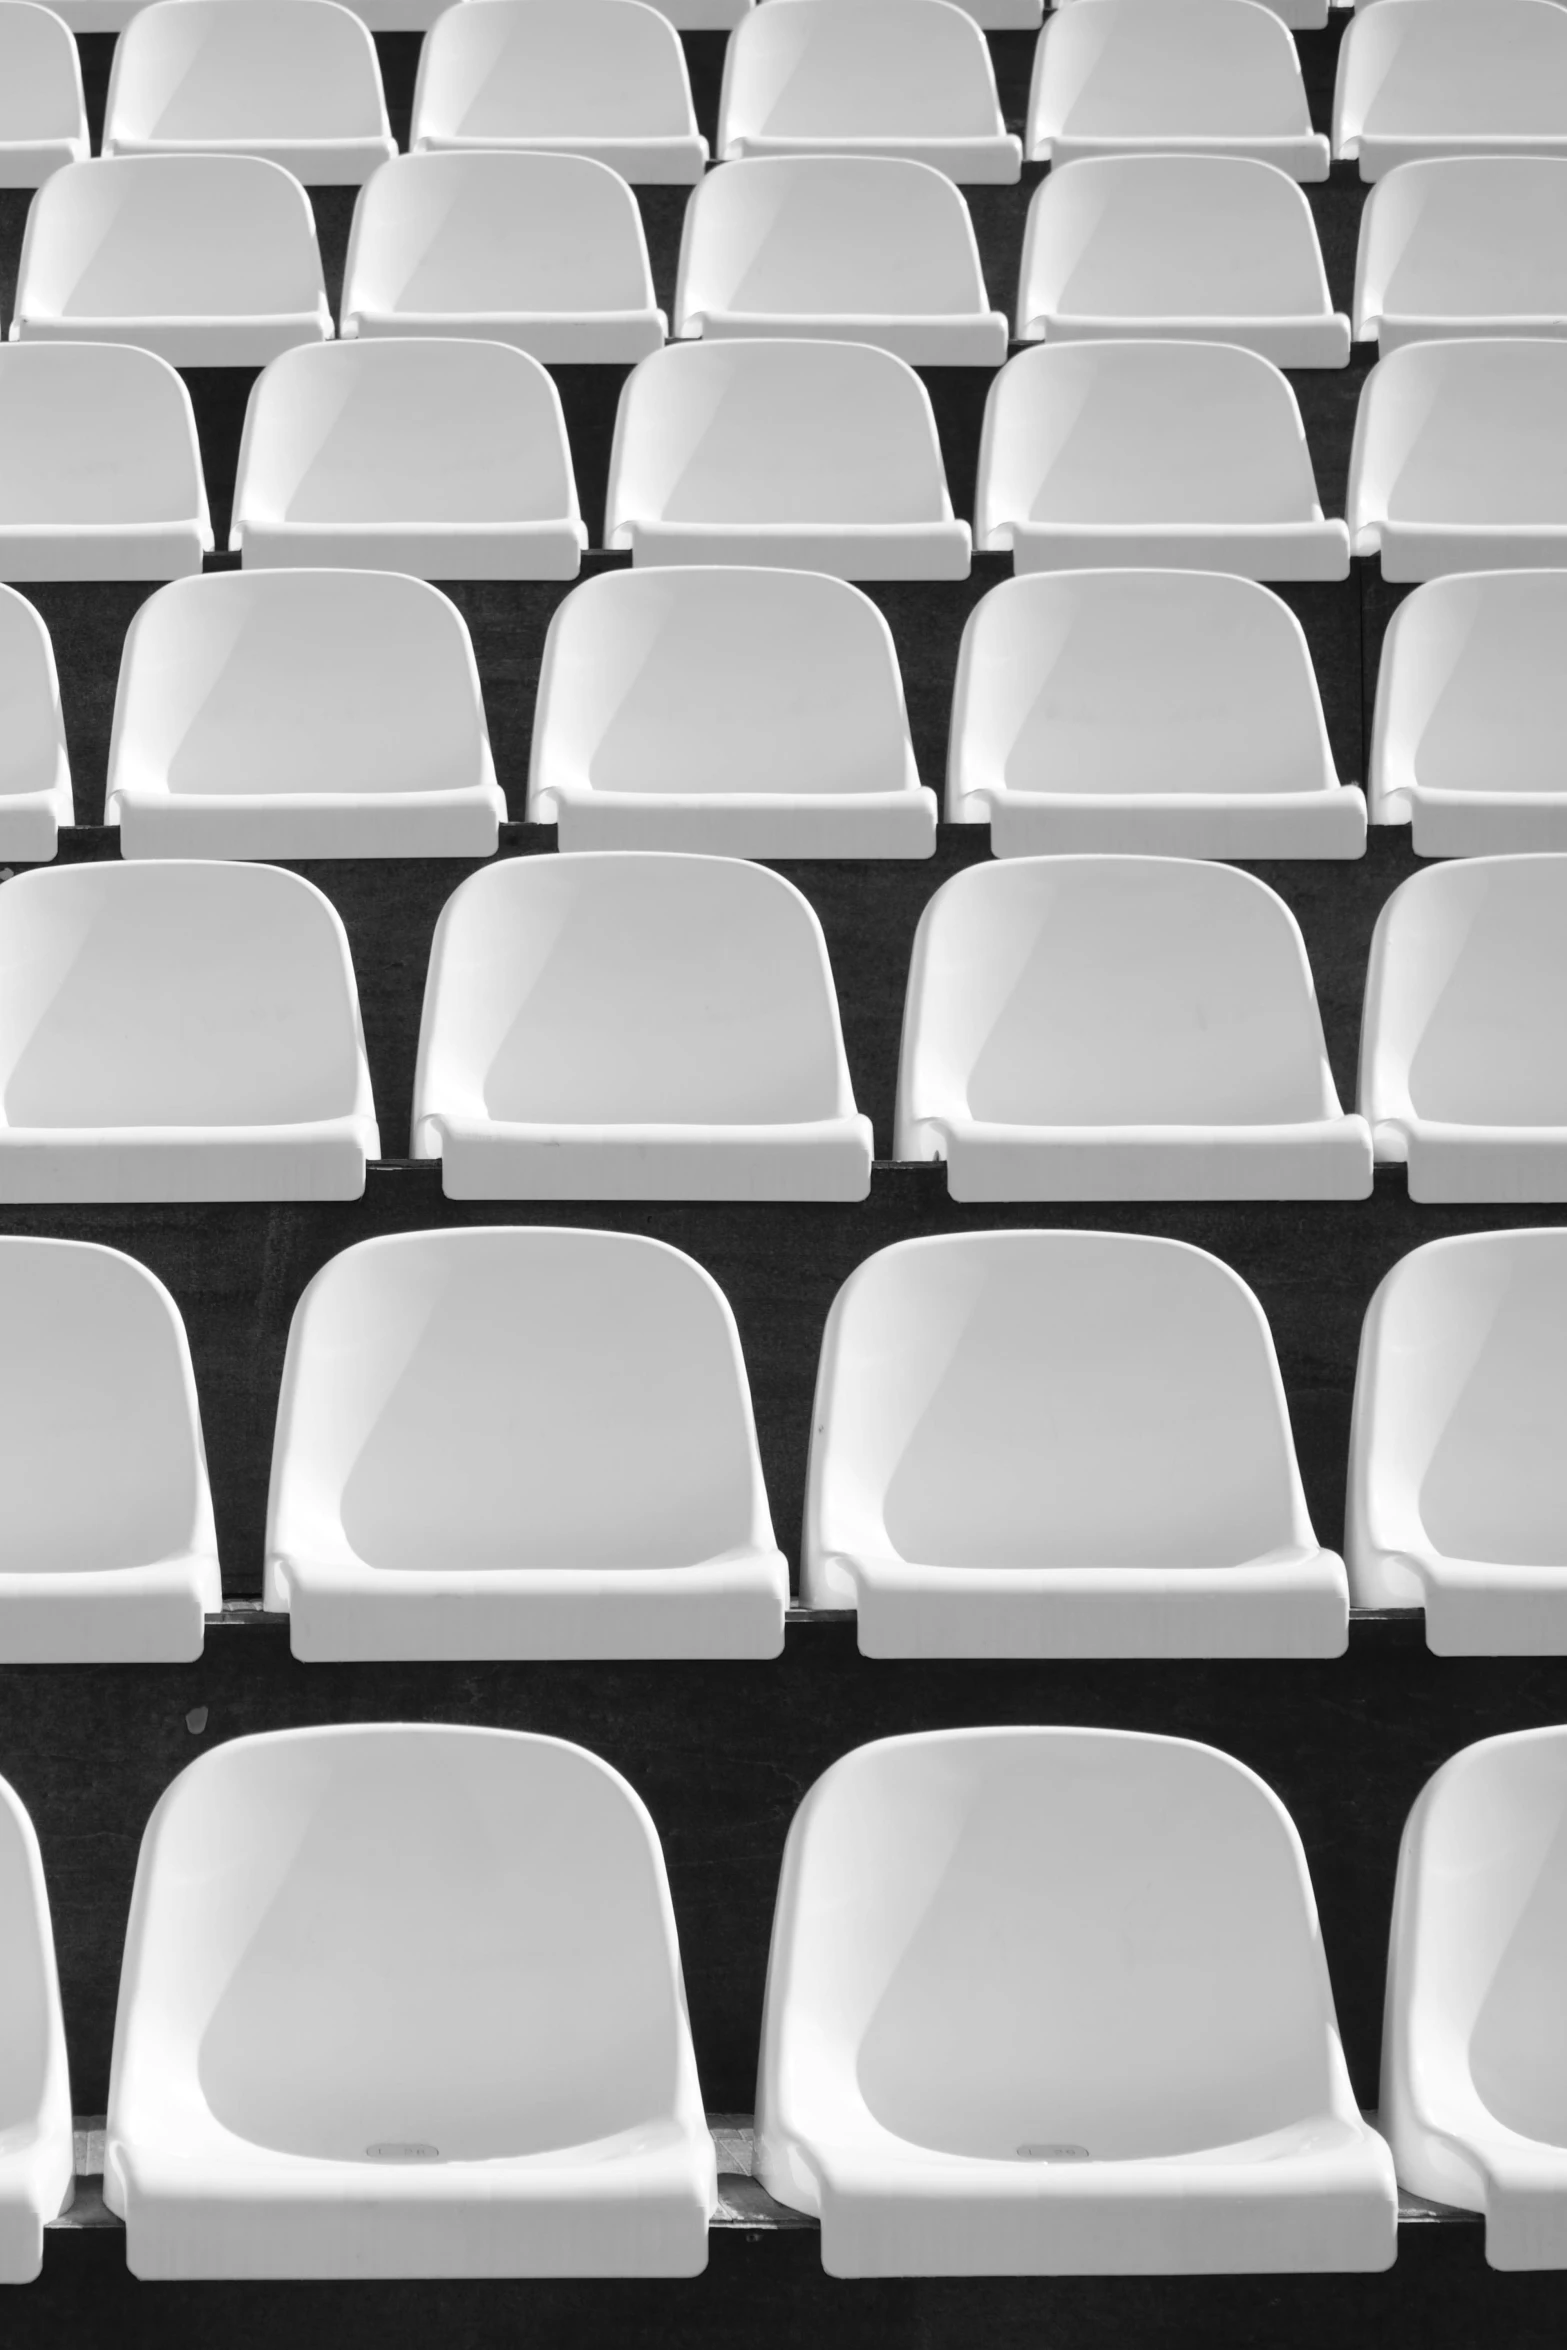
[
  {"x": 1210, "y": 77},
  {"x": 634, "y": 1026},
  {"x": 301, "y": 714},
  {"x": 1472, "y": 2078},
  {"x": 209, "y": 260},
  {"x": 740, "y": 713},
  {"x": 404, "y": 2000},
  {"x": 544, "y": 251},
  {"x": 519, "y": 1443},
  {"x": 35, "y": 772},
  {"x": 1219, "y": 248},
  {"x": 1302, "y": 16},
  {"x": 120, "y": 1567},
  {"x": 43, "y": 112},
  {"x": 603, "y": 78},
  {"x": 1445, "y": 78},
  {"x": 908, "y": 78},
  {"x": 37, "y": 2165},
  {"x": 178, "y": 1032},
  {"x": 1172, "y": 711},
  {"x": 1464, "y": 245},
  {"x": 703, "y": 16},
  {"x": 1471, "y": 715},
  {"x": 1462, "y": 1076},
  {"x": 1457, "y": 1480},
  {"x": 1120, "y": 1028},
  {"x": 431, "y": 454},
  {"x": 1459, "y": 460},
  {"x": 1164, "y": 453},
  {"x": 858, "y": 248},
  {"x": 100, "y": 472},
  {"x": 1005, "y": 16},
  {"x": 1053, "y": 2002},
  {"x": 1060, "y": 1444},
  {"x": 295, "y": 81},
  {"x": 817, "y": 456}
]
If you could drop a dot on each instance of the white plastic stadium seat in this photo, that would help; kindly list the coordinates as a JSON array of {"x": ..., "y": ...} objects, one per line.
[
  {"x": 179, "y": 1032},
  {"x": 858, "y": 248},
  {"x": 1459, "y": 461},
  {"x": 35, "y": 771},
  {"x": 301, "y": 714},
  {"x": 1052, "y": 2002},
  {"x": 544, "y": 251},
  {"x": 908, "y": 78},
  {"x": 1301, "y": 16},
  {"x": 627, "y": 1026},
  {"x": 1444, "y": 79},
  {"x": 37, "y": 2165},
  {"x": 670, "y": 716},
  {"x": 604, "y": 78},
  {"x": 1162, "y": 453},
  {"x": 819, "y": 456},
  {"x": 43, "y": 113},
  {"x": 1120, "y": 1028},
  {"x": 1216, "y": 248},
  {"x": 404, "y": 2000},
  {"x": 1209, "y": 77},
  {"x": 295, "y": 81},
  {"x": 1471, "y": 715},
  {"x": 100, "y": 472},
  {"x": 120, "y": 1567},
  {"x": 1167, "y": 711},
  {"x": 1464, "y": 245},
  {"x": 1003, "y": 16},
  {"x": 1060, "y": 1444},
  {"x": 564, "y": 1464},
  {"x": 1462, "y": 1076},
  {"x": 1472, "y": 2078},
  {"x": 1457, "y": 1483},
  {"x": 422, "y": 453},
  {"x": 209, "y": 260}
]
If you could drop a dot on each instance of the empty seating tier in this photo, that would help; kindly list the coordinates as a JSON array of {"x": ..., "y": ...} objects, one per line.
[
  {"x": 564, "y": 1465},
  {"x": 820, "y": 456},
  {"x": 1173, "y": 711},
  {"x": 544, "y": 251},
  {"x": 1212, "y": 248},
  {"x": 1209, "y": 77},
  {"x": 670, "y": 716},
  {"x": 179, "y": 1032},
  {"x": 100, "y": 473},
  {"x": 1463, "y": 245},
  {"x": 1124, "y": 453},
  {"x": 1461, "y": 1075},
  {"x": 301, "y": 714},
  {"x": 1471, "y": 713},
  {"x": 1060, "y": 1444},
  {"x": 1047, "y": 2002},
  {"x": 625, "y": 1026},
  {"x": 209, "y": 260},
  {"x": 1439, "y": 79},
  {"x": 427, "y": 454},
  {"x": 405, "y": 2001},
  {"x": 295, "y": 81},
  {"x": 1457, "y": 1496},
  {"x": 1120, "y": 1028},
  {"x": 603, "y": 78},
  {"x": 864, "y": 249},
  {"x": 43, "y": 113},
  {"x": 866, "y": 77},
  {"x": 1472, "y": 2093}
]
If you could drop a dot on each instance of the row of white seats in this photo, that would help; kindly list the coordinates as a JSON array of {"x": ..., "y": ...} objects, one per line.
[
  {"x": 519, "y": 1442},
  {"x": 297, "y": 81},
  {"x": 1075, "y": 1028},
  {"x": 448, "y": 459},
  {"x": 212, "y": 260},
  {"x": 406, "y": 2000},
  {"x": 291, "y": 714}
]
